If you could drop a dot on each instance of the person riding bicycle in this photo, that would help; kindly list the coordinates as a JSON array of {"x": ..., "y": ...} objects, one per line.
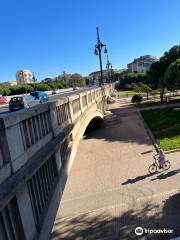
[
  {"x": 161, "y": 158},
  {"x": 161, "y": 162}
]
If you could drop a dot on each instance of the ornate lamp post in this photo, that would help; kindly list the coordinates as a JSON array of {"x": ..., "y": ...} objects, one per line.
[
  {"x": 108, "y": 66},
  {"x": 98, "y": 49}
]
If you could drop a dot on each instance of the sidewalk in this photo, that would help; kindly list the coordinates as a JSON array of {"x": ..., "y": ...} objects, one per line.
[
  {"x": 125, "y": 102},
  {"x": 110, "y": 192}
]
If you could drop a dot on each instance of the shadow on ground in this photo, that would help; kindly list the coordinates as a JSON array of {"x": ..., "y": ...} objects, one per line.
[
  {"x": 159, "y": 176},
  {"x": 137, "y": 179},
  {"x": 166, "y": 175},
  {"x": 104, "y": 226}
]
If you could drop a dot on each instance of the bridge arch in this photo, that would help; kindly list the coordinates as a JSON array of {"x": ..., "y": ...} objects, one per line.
[{"x": 79, "y": 130}]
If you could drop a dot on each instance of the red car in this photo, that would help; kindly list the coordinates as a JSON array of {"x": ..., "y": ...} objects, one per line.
[{"x": 3, "y": 100}]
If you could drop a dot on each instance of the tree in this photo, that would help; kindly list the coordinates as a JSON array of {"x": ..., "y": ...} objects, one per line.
[
  {"x": 34, "y": 78},
  {"x": 5, "y": 91},
  {"x": 142, "y": 87},
  {"x": 156, "y": 73},
  {"x": 52, "y": 85},
  {"x": 47, "y": 80},
  {"x": 43, "y": 87},
  {"x": 172, "y": 75},
  {"x": 129, "y": 78},
  {"x": 77, "y": 80}
]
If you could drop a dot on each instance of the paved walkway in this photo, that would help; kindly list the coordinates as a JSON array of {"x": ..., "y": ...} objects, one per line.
[
  {"x": 110, "y": 192},
  {"x": 127, "y": 101}
]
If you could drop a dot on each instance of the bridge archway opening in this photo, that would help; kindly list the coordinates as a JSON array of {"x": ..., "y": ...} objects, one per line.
[{"x": 94, "y": 124}]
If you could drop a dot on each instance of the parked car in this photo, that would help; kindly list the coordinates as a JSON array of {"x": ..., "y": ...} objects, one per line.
[
  {"x": 17, "y": 103},
  {"x": 75, "y": 88},
  {"x": 3, "y": 100},
  {"x": 41, "y": 96},
  {"x": 55, "y": 91}
]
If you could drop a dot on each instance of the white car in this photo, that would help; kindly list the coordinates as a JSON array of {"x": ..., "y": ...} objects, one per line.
[
  {"x": 55, "y": 91},
  {"x": 75, "y": 88}
]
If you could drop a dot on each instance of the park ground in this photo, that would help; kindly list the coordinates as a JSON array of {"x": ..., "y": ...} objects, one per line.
[
  {"x": 162, "y": 119},
  {"x": 109, "y": 191}
]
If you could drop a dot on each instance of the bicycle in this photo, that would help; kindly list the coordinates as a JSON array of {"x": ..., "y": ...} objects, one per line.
[{"x": 156, "y": 166}]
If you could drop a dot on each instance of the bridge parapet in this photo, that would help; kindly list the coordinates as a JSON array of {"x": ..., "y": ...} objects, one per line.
[{"x": 34, "y": 147}]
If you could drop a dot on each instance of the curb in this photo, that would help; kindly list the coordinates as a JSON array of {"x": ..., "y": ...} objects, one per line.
[
  {"x": 149, "y": 132},
  {"x": 172, "y": 151}
]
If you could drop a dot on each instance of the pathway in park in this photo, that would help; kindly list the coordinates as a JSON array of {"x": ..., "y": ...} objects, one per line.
[
  {"x": 109, "y": 191},
  {"x": 126, "y": 101}
]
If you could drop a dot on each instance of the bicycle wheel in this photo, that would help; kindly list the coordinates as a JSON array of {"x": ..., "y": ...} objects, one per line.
[
  {"x": 166, "y": 165},
  {"x": 153, "y": 168}
]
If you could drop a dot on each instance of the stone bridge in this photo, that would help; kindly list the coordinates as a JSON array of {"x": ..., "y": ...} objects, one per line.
[{"x": 37, "y": 148}]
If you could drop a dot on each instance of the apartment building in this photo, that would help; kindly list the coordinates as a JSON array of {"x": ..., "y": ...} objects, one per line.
[
  {"x": 141, "y": 64},
  {"x": 24, "y": 76}
]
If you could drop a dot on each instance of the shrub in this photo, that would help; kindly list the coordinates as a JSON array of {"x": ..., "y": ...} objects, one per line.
[
  {"x": 136, "y": 99},
  {"x": 43, "y": 87},
  {"x": 5, "y": 91},
  {"x": 60, "y": 86}
]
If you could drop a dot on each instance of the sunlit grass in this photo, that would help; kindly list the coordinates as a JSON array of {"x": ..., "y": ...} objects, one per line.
[
  {"x": 128, "y": 93},
  {"x": 165, "y": 126}
]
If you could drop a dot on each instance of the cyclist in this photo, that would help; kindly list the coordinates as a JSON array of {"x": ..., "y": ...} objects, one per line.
[{"x": 161, "y": 158}]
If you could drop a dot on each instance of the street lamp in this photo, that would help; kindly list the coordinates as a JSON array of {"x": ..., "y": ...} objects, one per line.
[
  {"x": 108, "y": 65},
  {"x": 98, "y": 48}
]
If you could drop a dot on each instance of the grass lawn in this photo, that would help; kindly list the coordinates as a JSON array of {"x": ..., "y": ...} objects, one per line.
[
  {"x": 156, "y": 102},
  {"x": 129, "y": 93},
  {"x": 169, "y": 139},
  {"x": 165, "y": 126}
]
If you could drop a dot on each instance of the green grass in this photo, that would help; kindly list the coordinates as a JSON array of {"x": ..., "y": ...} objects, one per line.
[
  {"x": 158, "y": 119},
  {"x": 129, "y": 93},
  {"x": 169, "y": 139},
  {"x": 156, "y": 102},
  {"x": 161, "y": 122}
]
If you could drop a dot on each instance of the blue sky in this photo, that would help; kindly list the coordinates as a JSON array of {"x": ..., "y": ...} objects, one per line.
[{"x": 50, "y": 36}]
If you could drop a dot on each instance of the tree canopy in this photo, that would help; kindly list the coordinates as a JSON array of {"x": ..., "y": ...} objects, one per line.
[
  {"x": 158, "y": 69},
  {"x": 76, "y": 80},
  {"x": 126, "y": 80},
  {"x": 172, "y": 75}
]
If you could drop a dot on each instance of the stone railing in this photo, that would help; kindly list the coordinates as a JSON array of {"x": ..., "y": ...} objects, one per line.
[{"x": 33, "y": 148}]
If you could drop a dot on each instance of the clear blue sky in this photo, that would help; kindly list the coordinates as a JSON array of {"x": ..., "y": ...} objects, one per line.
[{"x": 49, "y": 36}]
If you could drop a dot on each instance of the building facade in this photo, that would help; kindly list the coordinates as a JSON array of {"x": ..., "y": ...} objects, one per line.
[
  {"x": 24, "y": 76},
  {"x": 141, "y": 64}
]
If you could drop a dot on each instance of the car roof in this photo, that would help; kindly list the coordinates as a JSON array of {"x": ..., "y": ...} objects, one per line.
[{"x": 16, "y": 98}]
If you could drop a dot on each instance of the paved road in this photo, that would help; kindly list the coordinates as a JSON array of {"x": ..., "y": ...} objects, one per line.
[
  {"x": 110, "y": 192},
  {"x": 5, "y": 110}
]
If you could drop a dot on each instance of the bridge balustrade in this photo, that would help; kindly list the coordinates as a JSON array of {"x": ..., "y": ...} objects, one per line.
[
  {"x": 39, "y": 187},
  {"x": 10, "y": 223},
  {"x": 89, "y": 98},
  {"x": 34, "y": 148}
]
